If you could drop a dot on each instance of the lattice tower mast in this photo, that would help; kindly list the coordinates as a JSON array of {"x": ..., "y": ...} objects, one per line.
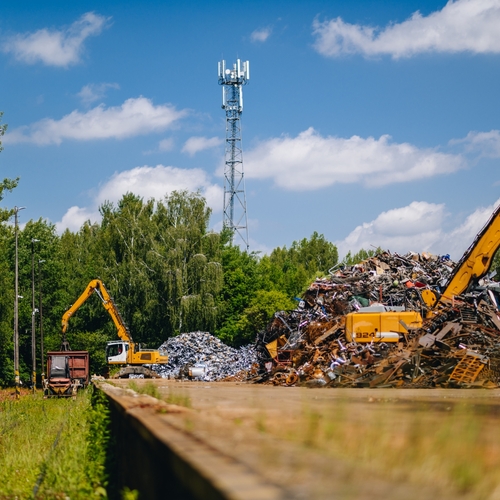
[{"x": 235, "y": 205}]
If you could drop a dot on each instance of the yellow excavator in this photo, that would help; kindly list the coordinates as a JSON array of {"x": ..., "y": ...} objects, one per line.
[
  {"x": 124, "y": 352},
  {"x": 379, "y": 323},
  {"x": 474, "y": 264}
]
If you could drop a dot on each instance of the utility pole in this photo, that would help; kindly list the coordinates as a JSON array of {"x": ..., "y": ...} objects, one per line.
[
  {"x": 16, "y": 308},
  {"x": 235, "y": 205},
  {"x": 33, "y": 313},
  {"x": 42, "y": 356}
]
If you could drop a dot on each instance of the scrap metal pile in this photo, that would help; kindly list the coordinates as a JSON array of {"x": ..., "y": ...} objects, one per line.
[
  {"x": 201, "y": 356},
  {"x": 456, "y": 344}
]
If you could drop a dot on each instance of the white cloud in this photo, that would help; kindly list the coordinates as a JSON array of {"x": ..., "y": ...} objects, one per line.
[
  {"x": 75, "y": 217},
  {"x": 166, "y": 144},
  {"x": 134, "y": 117},
  {"x": 146, "y": 182},
  {"x": 417, "y": 227},
  {"x": 414, "y": 227},
  {"x": 261, "y": 35},
  {"x": 310, "y": 161},
  {"x": 95, "y": 92},
  {"x": 460, "y": 26},
  {"x": 154, "y": 182},
  {"x": 56, "y": 47},
  {"x": 196, "y": 144},
  {"x": 462, "y": 236},
  {"x": 486, "y": 144}
]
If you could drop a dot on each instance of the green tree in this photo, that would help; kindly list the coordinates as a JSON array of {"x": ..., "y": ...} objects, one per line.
[
  {"x": 161, "y": 264},
  {"x": 260, "y": 311},
  {"x": 240, "y": 283},
  {"x": 284, "y": 274},
  {"x": 292, "y": 269},
  {"x": 6, "y": 184},
  {"x": 6, "y": 279},
  {"x": 360, "y": 256},
  {"x": 188, "y": 257},
  {"x": 6, "y": 306},
  {"x": 316, "y": 254},
  {"x": 52, "y": 277}
]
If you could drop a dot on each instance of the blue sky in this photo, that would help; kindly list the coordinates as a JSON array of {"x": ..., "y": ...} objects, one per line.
[{"x": 373, "y": 123}]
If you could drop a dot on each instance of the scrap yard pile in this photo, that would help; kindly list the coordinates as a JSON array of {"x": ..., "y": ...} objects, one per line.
[
  {"x": 386, "y": 322},
  {"x": 199, "y": 355}
]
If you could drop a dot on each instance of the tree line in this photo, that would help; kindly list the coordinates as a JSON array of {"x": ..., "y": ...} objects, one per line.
[{"x": 166, "y": 270}]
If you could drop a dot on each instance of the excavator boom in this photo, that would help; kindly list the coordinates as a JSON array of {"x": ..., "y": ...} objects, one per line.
[
  {"x": 98, "y": 287},
  {"x": 476, "y": 261},
  {"x": 118, "y": 352}
]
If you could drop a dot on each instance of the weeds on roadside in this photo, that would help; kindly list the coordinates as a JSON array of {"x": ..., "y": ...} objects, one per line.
[
  {"x": 178, "y": 399},
  {"x": 99, "y": 443},
  {"x": 44, "y": 448},
  {"x": 152, "y": 390},
  {"x": 148, "y": 388}
]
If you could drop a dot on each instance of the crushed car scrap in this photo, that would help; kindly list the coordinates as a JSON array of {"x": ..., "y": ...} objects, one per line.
[{"x": 414, "y": 320}]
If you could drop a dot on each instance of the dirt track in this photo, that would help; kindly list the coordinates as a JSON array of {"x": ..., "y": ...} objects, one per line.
[{"x": 349, "y": 443}]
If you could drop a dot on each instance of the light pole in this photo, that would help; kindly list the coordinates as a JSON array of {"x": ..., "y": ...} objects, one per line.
[
  {"x": 16, "y": 308},
  {"x": 42, "y": 358},
  {"x": 33, "y": 313}
]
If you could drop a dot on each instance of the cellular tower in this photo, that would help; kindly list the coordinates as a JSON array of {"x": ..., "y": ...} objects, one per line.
[{"x": 235, "y": 205}]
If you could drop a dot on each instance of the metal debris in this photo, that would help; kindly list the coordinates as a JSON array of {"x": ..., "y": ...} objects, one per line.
[
  {"x": 455, "y": 344},
  {"x": 201, "y": 356}
]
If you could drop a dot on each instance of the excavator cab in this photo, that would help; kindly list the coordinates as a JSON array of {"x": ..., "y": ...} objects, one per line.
[{"x": 117, "y": 352}]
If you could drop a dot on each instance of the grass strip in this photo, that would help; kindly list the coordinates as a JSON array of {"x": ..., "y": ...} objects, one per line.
[
  {"x": 152, "y": 390},
  {"x": 58, "y": 445},
  {"x": 43, "y": 469}
]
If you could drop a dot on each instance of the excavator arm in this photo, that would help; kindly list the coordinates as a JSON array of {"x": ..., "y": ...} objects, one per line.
[
  {"x": 476, "y": 261},
  {"x": 98, "y": 287},
  {"x": 124, "y": 352}
]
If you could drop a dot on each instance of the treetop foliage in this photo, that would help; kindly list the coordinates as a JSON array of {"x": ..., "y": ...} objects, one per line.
[
  {"x": 166, "y": 270},
  {"x": 351, "y": 260},
  {"x": 6, "y": 184},
  {"x": 3, "y": 128}
]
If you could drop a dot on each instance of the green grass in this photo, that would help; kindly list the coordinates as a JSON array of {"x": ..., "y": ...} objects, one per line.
[
  {"x": 44, "y": 448},
  {"x": 151, "y": 389},
  {"x": 148, "y": 388},
  {"x": 178, "y": 399}
]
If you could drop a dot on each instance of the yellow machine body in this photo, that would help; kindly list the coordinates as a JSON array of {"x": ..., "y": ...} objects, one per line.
[{"x": 376, "y": 326}]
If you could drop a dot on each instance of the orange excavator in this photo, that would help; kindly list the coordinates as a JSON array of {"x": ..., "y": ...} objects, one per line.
[{"x": 124, "y": 352}]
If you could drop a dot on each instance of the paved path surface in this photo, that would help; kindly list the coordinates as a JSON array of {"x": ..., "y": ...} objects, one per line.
[{"x": 274, "y": 432}]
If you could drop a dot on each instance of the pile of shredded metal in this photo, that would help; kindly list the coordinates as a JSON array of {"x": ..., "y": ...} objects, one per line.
[
  {"x": 201, "y": 356},
  {"x": 457, "y": 346}
]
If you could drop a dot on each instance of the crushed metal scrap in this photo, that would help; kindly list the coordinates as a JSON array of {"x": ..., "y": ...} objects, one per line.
[
  {"x": 380, "y": 324},
  {"x": 201, "y": 356}
]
